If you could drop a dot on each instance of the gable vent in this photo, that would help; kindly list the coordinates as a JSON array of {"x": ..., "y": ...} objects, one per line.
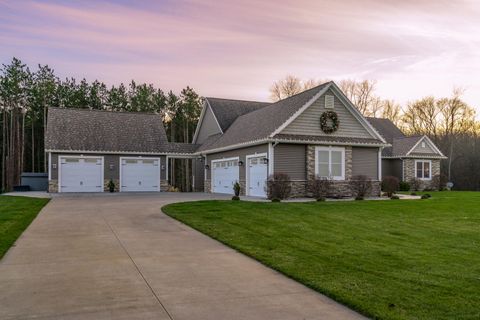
[{"x": 329, "y": 101}]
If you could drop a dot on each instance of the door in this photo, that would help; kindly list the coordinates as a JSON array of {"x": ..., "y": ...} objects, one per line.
[
  {"x": 140, "y": 174},
  {"x": 225, "y": 174},
  {"x": 81, "y": 174},
  {"x": 257, "y": 176}
]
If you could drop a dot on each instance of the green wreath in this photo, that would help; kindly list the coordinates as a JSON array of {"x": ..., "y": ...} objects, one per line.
[{"x": 329, "y": 122}]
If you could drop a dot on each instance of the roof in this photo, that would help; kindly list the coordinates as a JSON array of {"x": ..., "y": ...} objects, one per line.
[
  {"x": 401, "y": 146},
  {"x": 259, "y": 124},
  {"x": 227, "y": 110},
  {"x": 386, "y": 128},
  {"x": 95, "y": 130}
]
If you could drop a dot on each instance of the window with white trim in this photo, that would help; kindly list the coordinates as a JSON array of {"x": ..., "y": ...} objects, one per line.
[
  {"x": 330, "y": 162},
  {"x": 423, "y": 169}
]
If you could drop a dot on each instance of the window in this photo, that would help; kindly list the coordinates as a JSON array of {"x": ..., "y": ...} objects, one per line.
[
  {"x": 423, "y": 169},
  {"x": 330, "y": 162}
]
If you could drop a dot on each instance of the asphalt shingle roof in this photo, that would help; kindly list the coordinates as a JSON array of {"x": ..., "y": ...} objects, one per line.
[
  {"x": 94, "y": 130},
  {"x": 227, "y": 110},
  {"x": 387, "y": 129},
  {"x": 259, "y": 124}
]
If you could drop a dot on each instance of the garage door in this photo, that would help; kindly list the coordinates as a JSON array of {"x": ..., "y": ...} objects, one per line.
[
  {"x": 140, "y": 174},
  {"x": 225, "y": 174},
  {"x": 257, "y": 176},
  {"x": 81, "y": 174}
]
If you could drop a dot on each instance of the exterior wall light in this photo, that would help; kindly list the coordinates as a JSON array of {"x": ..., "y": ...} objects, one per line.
[
  {"x": 207, "y": 166},
  {"x": 54, "y": 166},
  {"x": 265, "y": 160},
  {"x": 240, "y": 163},
  {"x": 162, "y": 166}
]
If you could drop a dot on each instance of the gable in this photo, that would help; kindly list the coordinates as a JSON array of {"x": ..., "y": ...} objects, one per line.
[
  {"x": 308, "y": 123},
  {"x": 208, "y": 126},
  {"x": 423, "y": 146}
]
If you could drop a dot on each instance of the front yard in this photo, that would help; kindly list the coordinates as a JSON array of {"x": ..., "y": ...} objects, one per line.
[
  {"x": 403, "y": 259},
  {"x": 16, "y": 214}
]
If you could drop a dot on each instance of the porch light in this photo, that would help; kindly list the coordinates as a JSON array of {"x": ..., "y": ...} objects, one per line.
[
  {"x": 207, "y": 166},
  {"x": 265, "y": 160},
  {"x": 162, "y": 166},
  {"x": 240, "y": 163}
]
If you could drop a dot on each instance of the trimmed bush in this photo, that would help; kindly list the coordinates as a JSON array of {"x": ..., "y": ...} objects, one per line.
[
  {"x": 276, "y": 200},
  {"x": 236, "y": 198},
  {"x": 278, "y": 186},
  {"x": 359, "y": 198},
  {"x": 320, "y": 187},
  {"x": 390, "y": 185},
  {"x": 404, "y": 186},
  {"x": 361, "y": 186},
  {"x": 321, "y": 199},
  {"x": 413, "y": 194},
  {"x": 111, "y": 186},
  {"x": 425, "y": 196},
  {"x": 394, "y": 197},
  {"x": 236, "y": 189}
]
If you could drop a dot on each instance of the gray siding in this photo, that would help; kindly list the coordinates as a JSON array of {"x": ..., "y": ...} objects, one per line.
[
  {"x": 198, "y": 173},
  {"x": 392, "y": 167},
  {"x": 208, "y": 126},
  {"x": 427, "y": 149},
  {"x": 365, "y": 162},
  {"x": 109, "y": 159},
  {"x": 241, "y": 153},
  {"x": 308, "y": 123},
  {"x": 291, "y": 159}
]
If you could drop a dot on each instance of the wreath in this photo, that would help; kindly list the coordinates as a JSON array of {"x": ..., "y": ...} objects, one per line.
[{"x": 329, "y": 122}]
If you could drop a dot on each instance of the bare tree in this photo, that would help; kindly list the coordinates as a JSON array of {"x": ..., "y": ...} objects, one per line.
[{"x": 291, "y": 85}]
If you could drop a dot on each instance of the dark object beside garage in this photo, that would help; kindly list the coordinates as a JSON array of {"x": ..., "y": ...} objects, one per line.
[{"x": 36, "y": 181}]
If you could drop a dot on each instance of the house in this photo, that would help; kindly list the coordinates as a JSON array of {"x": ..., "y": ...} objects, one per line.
[
  {"x": 408, "y": 157},
  {"x": 318, "y": 132}
]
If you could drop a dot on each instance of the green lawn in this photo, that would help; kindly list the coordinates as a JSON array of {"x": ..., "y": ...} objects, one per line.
[
  {"x": 399, "y": 259},
  {"x": 16, "y": 214}
]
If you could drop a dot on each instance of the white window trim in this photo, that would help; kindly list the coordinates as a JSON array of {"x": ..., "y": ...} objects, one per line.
[
  {"x": 330, "y": 149},
  {"x": 247, "y": 169},
  {"x": 426, "y": 179},
  {"x": 120, "y": 168}
]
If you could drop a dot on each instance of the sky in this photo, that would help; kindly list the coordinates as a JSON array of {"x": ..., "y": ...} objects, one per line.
[{"x": 237, "y": 49}]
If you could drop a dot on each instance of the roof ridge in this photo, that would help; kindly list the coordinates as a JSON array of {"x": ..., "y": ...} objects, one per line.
[
  {"x": 106, "y": 111},
  {"x": 240, "y": 100}
]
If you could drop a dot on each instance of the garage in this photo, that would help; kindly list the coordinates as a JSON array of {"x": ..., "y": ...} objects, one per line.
[
  {"x": 225, "y": 174},
  {"x": 139, "y": 174},
  {"x": 81, "y": 174},
  {"x": 257, "y": 170}
]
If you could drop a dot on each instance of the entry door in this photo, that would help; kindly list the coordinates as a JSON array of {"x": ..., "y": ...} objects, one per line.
[
  {"x": 140, "y": 174},
  {"x": 225, "y": 174},
  {"x": 81, "y": 174},
  {"x": 257, "y": 176}
]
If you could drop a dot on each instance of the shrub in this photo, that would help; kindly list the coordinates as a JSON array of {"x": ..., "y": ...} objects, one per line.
[
  {"x": 361, "y": 186},
  {"x": 359, "y": 198},
  {"x": 321, "y": 199},
  {"x": 278, "y": 186},
  {"x": 275, "y": 200},
  {"x": 394, "y": 197},
  {"x": 236, "y": 198},
  {"x": 111, "y": 186},
  {"x": 320, "y": 187},
  {"x": 236, "y": 189},
  {"x": 439, "y": 182},
  {"x": 413, "y": 194},
  {"x": 425, "y": 196},
  {"x": 390, "y": 185},
  {"x": 415, "y": 184},
  {"x": 404, "y": 186}
]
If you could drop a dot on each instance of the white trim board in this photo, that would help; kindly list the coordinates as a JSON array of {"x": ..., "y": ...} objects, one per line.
[
  {"x": 430, "y": 142},
  {"x": 430, "y": 171}
]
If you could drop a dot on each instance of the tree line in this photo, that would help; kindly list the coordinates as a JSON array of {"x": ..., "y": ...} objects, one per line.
[
  {"x": 448, "y": 121},
  {"x": 26, "y": 94}
]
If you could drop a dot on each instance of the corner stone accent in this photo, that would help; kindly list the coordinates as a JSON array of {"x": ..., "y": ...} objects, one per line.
[
  {"x": 409, "y": 172},
  {"x": 115, "y": 181},
  {"x": 53, "y": 186},
  {"x": 164, "y": 185}
]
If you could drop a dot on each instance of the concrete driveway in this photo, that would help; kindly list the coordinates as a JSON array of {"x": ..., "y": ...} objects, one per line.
[{"x": 116, "y": 256}]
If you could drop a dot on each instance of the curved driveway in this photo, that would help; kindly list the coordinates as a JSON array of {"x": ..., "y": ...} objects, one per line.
[{"x": 116, "y": 256}]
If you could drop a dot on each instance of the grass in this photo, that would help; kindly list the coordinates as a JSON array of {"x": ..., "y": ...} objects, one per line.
[
  {"x": 407, "y": 259},
  {"x": 16, "y": 214}
]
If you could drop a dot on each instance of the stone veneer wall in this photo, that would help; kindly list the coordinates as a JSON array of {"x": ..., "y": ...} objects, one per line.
[
  {"x": 409, "y": 172},
  {"x": 207, "y": 186},
  {"x": 164, "y": 185},
  {"x": 53, "y": 186}
]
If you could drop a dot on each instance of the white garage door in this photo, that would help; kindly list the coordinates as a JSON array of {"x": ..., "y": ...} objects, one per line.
[
  {"x": 257, "y": 176},
  {"x": 140, "y": 174},
  {"x": 81, "y": 174},
  {"x": 225, "y": 174}
]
